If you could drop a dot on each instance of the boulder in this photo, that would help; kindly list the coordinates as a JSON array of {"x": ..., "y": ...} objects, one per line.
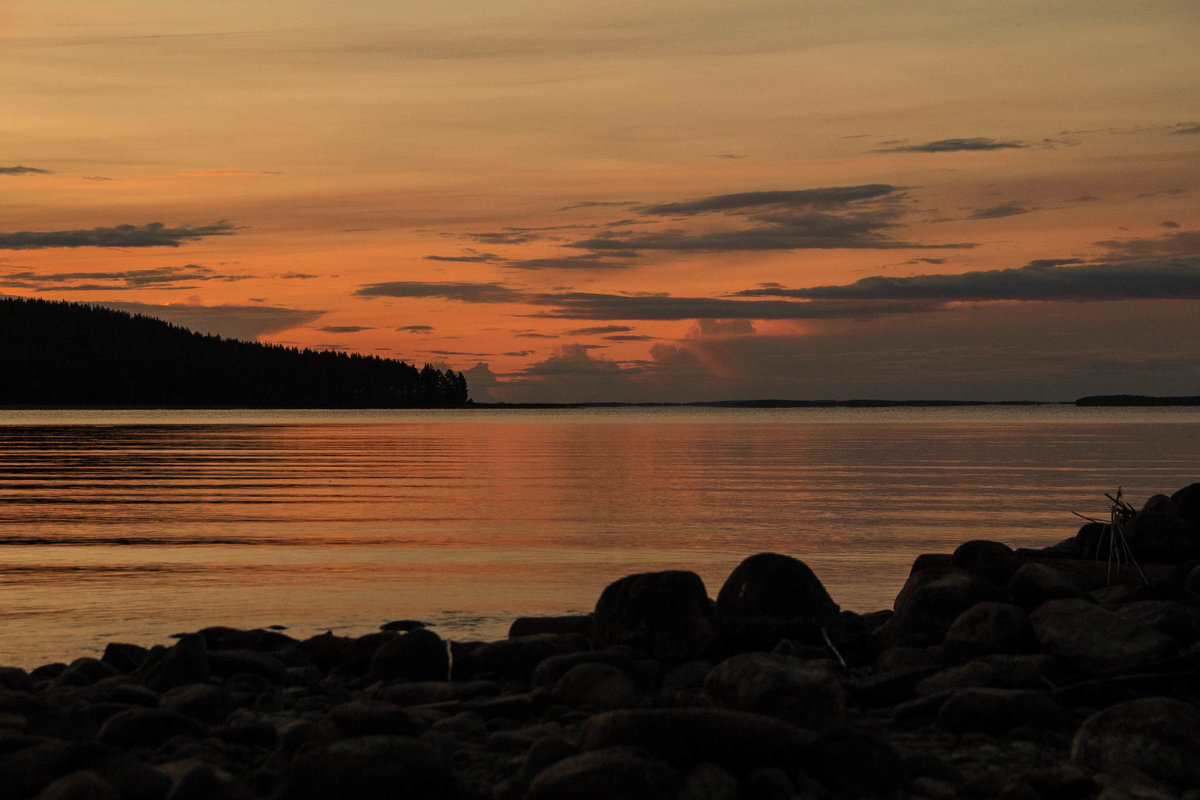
[
  {"x": 147, "y": 727},
  {"x": 709, "y": 782},
  {"x": 514, "y": 659},
  {"x": 81, "y": 785},
  {"x": 988, "y": 627},
  {"x": 780, "y": 686},
  {"x": 736, "y": 740},
  {"x": 992, "y": 561},
  {"x": 419, "y": 655},
  {"x": 1162, "y": 537},
  {"x": 769, "y": 597},
  {"x": 185, "y": 662},
  {"x": 857, "y": 763},
  {"x": 1094, "y": 639},
  {"x": 580, "y": 624},
  {"x": 930, "y": 602},
  {"x": 371, "y": 717},
  {"x": 192, "y": 779},
  {"x": 615, "y": 773},
  {"x": 1158, "y": 735},
  {"x": 667, "y": 614}
]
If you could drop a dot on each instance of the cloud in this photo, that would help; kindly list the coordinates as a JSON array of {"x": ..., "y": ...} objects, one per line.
[
  {"x": 480, "y": 258},
  {"x": 415, "y": 328},
  {"x": 153, "y": 234},
  {"x": 448, "y": 290},
  {"x": 1169, "y": 223},
  {"x": 598, "y": 204},
  {"x": 997, "y": 212},
  {"x": 955, "y": 146},
  {"x": 480, "y": 382},
  {"x": 230, "y": 321},
  {"x": 584, "y": 261},
  {"x": 22, "y": 170},
  {"x": 1187, "y": 130},
  {"x": 629, "y": 337},
  {"x": 1039, "y": 280},
  {"x": 1185, "y": 244},
  {"x": 344, "y": 328},
  {"x": 298, "y": 276},
  {"x": 824, "y": 198},
  {"x": 595, "y": 331},
  {"x": 175, "y": 278},
  {"x": 583, "y": 305}
]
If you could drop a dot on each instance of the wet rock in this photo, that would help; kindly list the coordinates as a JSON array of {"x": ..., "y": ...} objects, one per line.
[
  {"x": 780, "y": 686},
  {"x": 995, "y": 562},
  {"x": 930, "y": 602},
  {"x": 236, "y": 662},
  {"x": 667, "y": 614},
  {"x": 147, "y": 727},
  {"x": 1000, "y": 710},
  {"x": 125, "y": 658},
  {"x": 1034, "y": 584},
  {"x": 515, "y": 659},
  {"x": 185, "y": 662},
  {"x": 595, "y": 685},
  {"x": 1158, "y": 735},
  {"x": 549, "y": 670},
  {"x": 769, "y": 597},
  {"x": 988, "y": 627},
  {"x": 1093, "y": 639},
  {"x": 403, "y": 625},
  {"x": 258, "y": 639},
  {"x": 857, "y": 763},
  {"x": 28, "y": 764},
  {"x": 328, "y": 650},
  {"x": 577, "y": 624},
  {"x": 617, "y": 773},
  {"x": 739, "y": 741},
  {"x": 419, "y": 655},
  {"x": 370, "y": 767},
  {"x": 15, "y": 678},
  {"x": 85, "y": 672}
]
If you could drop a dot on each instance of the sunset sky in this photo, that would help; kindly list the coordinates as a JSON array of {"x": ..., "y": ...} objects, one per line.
[{"x": 627, "y": 201}]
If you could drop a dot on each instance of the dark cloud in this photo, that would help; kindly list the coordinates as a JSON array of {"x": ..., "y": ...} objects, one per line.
[
  {"x": 153, "y": 234},
  {"x": 927, "y": 261},
  {"x": 481, "y": 381},
  {"x": 595, "y": 331},
  {"x": 415, "y": 328},
  {"x": 297, "y": 276},
  {"x": 1002, "y": 210},
  {"x": 344, "y": 328},
  {"x": 1039, "y": 280},
  {"x": 184, "y": 277},
  {"x": 503, "y": 237},
  {"x": 100, "y": 178},
  {"x": 1169, "y": 223},
  {"x": 598, "y": 204},
  {"x": 22, "y": 170},
  {"x": 231, "y": 321},
  {"x": 954, "y": 146},
  {"x": 585, "y": 261},
  {"x": 1184, "y": 244},
  {"x": 629, "y": 337},
  {"x": 447, "y": 290},
  {"x": 728, "y": 156},
  {"x": 824, "y": 198},
  {"x": 582, "y": 305},
  {"x": 535, "y": 335},
  {"x": 1187, "y": 130},
  {"x": 479, "y": 258}
]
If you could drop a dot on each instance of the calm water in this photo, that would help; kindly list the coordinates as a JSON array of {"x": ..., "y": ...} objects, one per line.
[{"x": 131, "y": 526}]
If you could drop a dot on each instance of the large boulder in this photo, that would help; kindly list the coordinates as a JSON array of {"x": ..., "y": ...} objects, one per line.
[
  {"x": 1158, "y": 735},
  {"x": 419, "y": 655},
  {"x": 777, "y": 685},
  {"x": 370, "y": 766},
  {"x": 1187, "y": 503},
  {"x": 930, "y": 602},
  {"x": 1162, "y": 537},
  {"x": 992, "y": 561},
  {"x": 183, "y": 663},
  {"x": 667, "y": 614},
  {"x": 1033, "y": 584},
  {"x": 615, "y": 773},
  {"x": 1093, "y": 639},
  {"x": 770, "y": 597},
  {"x": 992, "y": 710}
]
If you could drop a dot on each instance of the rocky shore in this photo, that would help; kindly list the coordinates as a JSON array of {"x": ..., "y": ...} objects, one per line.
[{"x": 1071, "y": 672}]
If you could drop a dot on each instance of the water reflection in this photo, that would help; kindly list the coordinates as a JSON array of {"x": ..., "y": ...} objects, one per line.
[{"x": 136, "y": 531}]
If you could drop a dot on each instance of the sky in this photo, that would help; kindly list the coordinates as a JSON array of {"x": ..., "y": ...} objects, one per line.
[{"x": 628, "y": 201}]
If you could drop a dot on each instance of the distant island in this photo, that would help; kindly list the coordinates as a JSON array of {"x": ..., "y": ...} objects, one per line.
[
  {"x": 1136, "y": 400},
  {"x": 61, "y": 354}
]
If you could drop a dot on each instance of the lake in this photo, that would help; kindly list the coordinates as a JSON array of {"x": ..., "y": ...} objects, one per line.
[{"x": 133, "y": 525}]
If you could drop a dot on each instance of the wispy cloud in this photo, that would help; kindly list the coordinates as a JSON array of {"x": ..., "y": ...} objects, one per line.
[
  {"x": 153, "y": 234},
  {"x": 955, "y": 146},
  {"x": 448, "y": 290},
  {"x": 600, "y": 329},
  {"x": 23, "y": 170},
  {"x": 796, "y": 199},
  {"x": 1000, "y": 211},
  {"x": 1185, "y": 244},
  {"x": 344, "y": 328},
  {"x": 415, "y": 328},
  {"x": 184, "y": 277},
  {"x": 1186, "y": 130}
]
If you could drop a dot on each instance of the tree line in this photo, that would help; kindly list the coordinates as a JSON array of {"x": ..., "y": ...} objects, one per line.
[{"x": 70, "y": 354}]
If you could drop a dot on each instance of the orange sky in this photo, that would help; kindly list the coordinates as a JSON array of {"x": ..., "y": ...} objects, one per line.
[{"x": 627, "y": 200}]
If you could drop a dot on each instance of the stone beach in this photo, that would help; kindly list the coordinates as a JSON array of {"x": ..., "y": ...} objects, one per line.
[{"x": 1064, "y": 673}]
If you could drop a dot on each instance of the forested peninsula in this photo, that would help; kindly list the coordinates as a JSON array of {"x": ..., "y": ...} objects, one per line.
[{"x": 61, "y": 354}]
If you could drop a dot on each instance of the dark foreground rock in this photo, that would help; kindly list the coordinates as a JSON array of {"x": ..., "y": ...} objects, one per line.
[{"x": 1000, "y": 673}]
